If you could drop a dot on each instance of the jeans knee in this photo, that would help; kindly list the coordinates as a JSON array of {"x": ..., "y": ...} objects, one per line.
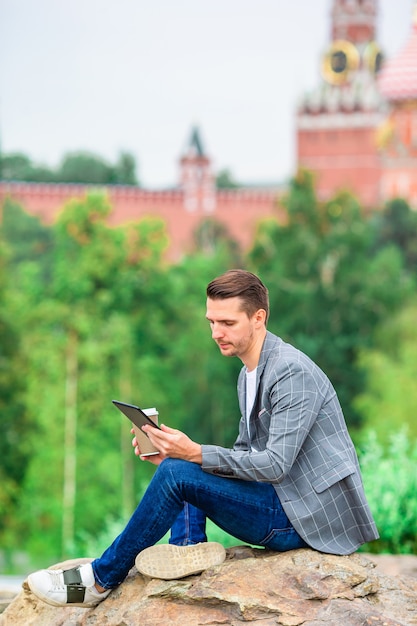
[
  {"x": 169, "y": 464},
  {"x": 171, "y": 467},
  {"x": 178, "y": 471}
]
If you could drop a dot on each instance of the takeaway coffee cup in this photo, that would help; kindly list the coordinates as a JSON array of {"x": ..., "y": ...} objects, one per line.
[{"x": 145, "y": 446}]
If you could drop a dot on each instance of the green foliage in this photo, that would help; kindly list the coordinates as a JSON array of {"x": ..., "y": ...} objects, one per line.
[
  {"x": 225, "y": 180},
  {"x": 90, "y": 313},
  {"x": 110, "y": 303},
  {"x": 390, "y": 479},
  {"x": 15, "y": 166},
  {"x": 213, "y": 239},
  {"x": 328, "y": 288},
  {"x": 124, "y": 172},
  {"x": 74, "y": 321},
  {"x": 29, "y": 245},
  {"x": 301, "y": 202},
  {"x": 397, "y": 225},
  {"x": 176, "y": 336},
  {"x": 84, "y": 167},
  {"x": 76, "y": 167},
  {"x": 18, "y": 166},
  {"x": 14, "y": 450},
  {"x": 389, "y": 401}
]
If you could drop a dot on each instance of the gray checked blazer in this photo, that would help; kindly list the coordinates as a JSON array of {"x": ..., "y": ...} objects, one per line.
[{"x": 302, "y": 447}]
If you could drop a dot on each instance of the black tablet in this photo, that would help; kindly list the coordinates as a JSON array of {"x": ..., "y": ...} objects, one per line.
[{"x": 135, "y": 414}]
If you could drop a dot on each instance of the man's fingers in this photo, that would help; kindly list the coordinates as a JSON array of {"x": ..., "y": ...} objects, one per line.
[{"x": 167, "y": 429}]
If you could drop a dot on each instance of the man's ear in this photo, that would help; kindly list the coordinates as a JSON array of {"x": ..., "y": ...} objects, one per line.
[{"x": 260, "y": 317}]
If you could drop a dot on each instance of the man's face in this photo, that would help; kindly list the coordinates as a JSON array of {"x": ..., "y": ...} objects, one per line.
[{"x": 231, "y": 328}]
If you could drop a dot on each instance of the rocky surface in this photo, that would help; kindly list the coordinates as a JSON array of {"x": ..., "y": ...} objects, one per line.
[{"x": 301, "y": 587}]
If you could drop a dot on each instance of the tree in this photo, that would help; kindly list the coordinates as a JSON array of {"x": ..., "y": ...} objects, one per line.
[
  {"x": 225, "y": 180},
  {"x": 14, "y": 448},
  {"x": 213, "y": 239},
  {"x": 18, "y": 166},
  {"x": 61, "y": 316},
  {"x": 84, "y": 167},
  {"x": 125, "y": 170},
  {"x": 195, "y": 386},
  {"x": 397, "y": 225},
  {"x": 328, "y": 287},
  {"x": 388, "y": 403},
  {"x": 30, "y": 243},
  {"x": 77, "y": 167},
  {"x": 82, "y": 327}
]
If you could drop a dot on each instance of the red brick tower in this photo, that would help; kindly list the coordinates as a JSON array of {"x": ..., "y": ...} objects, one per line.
[
  {"x": 196, "y": 177},
  {"x": 337, "y": 123},
  {"x": 398, "y": 136}
]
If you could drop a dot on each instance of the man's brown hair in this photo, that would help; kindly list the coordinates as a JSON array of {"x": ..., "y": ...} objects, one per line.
[{"x": 244, "y": 285}]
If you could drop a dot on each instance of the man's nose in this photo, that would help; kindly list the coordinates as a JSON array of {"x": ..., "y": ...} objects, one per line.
[{"x": 216, "y": 331}]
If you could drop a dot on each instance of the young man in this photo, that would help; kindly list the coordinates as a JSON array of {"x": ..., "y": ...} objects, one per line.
[{"x": 291, "y": 480}]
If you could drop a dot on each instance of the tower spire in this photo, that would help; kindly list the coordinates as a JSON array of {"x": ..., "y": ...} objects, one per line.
[
  {"x": 195, "y": 144},
  {"x": 197, "y": 180}
]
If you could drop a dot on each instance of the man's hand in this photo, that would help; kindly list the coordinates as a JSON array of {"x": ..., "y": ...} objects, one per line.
[
  {"x": 170, "y": 443},
  {"x": 174, "y": 443},
  {"x": 155, "y": 459}
]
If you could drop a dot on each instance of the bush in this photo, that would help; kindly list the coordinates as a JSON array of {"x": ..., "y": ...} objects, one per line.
[{"x": 390, "y": 478}]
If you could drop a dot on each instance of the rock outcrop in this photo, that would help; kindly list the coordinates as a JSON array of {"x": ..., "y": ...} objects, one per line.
[{"x": 252, "y": 586}]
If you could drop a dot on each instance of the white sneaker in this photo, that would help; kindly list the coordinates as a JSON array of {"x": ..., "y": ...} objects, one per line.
[
  {"x": 168, "y": 561},
  {"x": 71, "y": 587}
]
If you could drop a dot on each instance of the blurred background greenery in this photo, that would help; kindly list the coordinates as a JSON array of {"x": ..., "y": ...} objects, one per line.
[{"x": 89, "y": 313}]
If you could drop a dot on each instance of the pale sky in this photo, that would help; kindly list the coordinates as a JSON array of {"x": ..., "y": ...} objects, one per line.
[{"x": 135, "y": 75}]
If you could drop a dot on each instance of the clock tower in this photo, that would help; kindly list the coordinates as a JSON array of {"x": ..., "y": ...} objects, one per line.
[{"x": 337, "y": 123}]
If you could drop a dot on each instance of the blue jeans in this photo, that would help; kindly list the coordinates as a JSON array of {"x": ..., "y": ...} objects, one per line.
[
  {"x": 247, "y": 510},
  {"x": 190, "y": 527}
]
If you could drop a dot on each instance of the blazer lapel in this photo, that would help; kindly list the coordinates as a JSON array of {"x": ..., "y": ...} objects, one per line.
[{"x": 269, "y": 344}]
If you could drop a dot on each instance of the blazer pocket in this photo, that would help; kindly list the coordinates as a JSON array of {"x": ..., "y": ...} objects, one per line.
[{"x": 333, "y": 476}]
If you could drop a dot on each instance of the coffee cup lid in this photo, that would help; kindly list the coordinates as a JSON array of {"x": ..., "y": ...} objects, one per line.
[{"x": 150, "y": 412}]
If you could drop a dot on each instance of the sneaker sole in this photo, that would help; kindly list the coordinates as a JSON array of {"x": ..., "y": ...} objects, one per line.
[{"x": 168, "y": 562}]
